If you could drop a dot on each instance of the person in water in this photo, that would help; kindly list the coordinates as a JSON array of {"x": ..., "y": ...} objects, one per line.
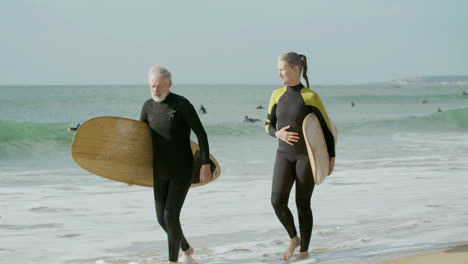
[
  {"x": 70, "y": 129},
  {"x": 248, "y": 119},
  {"x": 202, "y": 110},
  {"x": 171, "y": 117},
  {"x": 260, "y": 106},
  {"x": 287, "y": 109}
]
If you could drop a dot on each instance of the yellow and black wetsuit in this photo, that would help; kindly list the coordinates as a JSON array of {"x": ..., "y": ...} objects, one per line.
[
  {"x": 171, "y": 121},
  {"x": 289, "y": 106}
]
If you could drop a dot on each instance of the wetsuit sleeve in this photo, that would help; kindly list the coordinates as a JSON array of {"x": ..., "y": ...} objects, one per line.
[
  {"x": 316, "y": 106},
  {"x": 270, "y": 122},
  {"x": 143, "y": 114},
  {"x": 191, "y": 117}
]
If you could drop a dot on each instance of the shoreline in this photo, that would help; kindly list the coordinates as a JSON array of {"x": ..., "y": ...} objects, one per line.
[
  {"x": 450, "y": 253},
  {"x": 453, "y": 255}
]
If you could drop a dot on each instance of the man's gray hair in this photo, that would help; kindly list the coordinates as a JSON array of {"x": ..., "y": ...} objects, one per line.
[{"x": 158, "y": 71}]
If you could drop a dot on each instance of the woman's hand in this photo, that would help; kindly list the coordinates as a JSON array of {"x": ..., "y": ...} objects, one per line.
[
  {"x": 331, "y": 165},
  {"x": 288, "y": 137},
  {"x": 205, "y": 173}
]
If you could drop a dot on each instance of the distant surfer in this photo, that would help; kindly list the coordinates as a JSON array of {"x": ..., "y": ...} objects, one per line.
[
  {"x": 439, "y": 110},
  {"x": 260, "y": 106},
  {"x": 70, "y": 129},
  {"x": 248, "y": 119},
  {"x": 464, "y": 93},
  {"x": 202, "y": 110},
  {"x": 288, "y": 108},
  {"x": 352, "y": 104},
  {"x": 423, "y": 101},
  {"x": 171, "y": 117}
]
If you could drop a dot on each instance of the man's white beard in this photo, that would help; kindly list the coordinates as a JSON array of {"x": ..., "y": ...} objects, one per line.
[{"x": 159, "y": 99}]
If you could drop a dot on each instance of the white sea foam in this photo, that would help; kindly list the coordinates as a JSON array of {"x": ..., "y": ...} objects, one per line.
[{"x": 391, "y": 192}]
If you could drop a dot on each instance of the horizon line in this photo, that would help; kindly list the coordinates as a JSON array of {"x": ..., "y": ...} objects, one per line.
[{"x": 244, "y": 84}]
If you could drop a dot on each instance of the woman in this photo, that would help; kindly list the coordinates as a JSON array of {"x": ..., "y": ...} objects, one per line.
[{"x": 287, "y": 109}]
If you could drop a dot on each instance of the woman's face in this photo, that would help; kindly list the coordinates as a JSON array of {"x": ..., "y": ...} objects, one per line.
[{"x": 289, "y": 76}]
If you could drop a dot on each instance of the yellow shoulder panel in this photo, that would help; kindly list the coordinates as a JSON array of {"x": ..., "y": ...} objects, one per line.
[
  {"x": 275, "y": 96},
  {"x": 313, "y": 99}
]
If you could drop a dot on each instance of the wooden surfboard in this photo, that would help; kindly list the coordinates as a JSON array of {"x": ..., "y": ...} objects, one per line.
[
  {"x": 120, "y": 149},
  {"x": 317, "y": 146}
]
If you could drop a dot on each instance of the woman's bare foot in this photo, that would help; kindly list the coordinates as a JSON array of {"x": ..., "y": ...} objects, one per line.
[
  {"x": 188, "y": 252},
  {"x": 293, "y": 244},
  {"x": 186, "y": 256},
  {"x": 302, "y": 255}
]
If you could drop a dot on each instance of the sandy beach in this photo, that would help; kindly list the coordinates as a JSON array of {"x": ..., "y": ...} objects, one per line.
[{"x": 455, "y": 255}]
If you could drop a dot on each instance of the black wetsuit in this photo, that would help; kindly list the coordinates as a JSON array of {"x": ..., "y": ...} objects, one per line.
[
  {"x": 289, "y": 106},
  {"x": 75, "y": 128},
  {"x": 171, "y": 121},
  {"x": 202, "y": 110}
]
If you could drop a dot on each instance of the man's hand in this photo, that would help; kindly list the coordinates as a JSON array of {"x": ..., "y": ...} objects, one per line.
[
  {"x": 331, "y": 165},
  {"x": 205, "y": 173},
  {"x": 288, "y": 137}
]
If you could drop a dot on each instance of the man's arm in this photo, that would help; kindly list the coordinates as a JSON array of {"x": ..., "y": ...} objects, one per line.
[{"x": 192, "y": 119}]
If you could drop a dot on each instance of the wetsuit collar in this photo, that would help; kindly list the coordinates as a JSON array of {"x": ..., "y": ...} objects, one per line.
[
  {"x": 168, "y": 97},
  {"x": 296, "y": 87}
]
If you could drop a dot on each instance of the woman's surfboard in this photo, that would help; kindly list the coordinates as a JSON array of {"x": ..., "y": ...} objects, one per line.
[
  {"x": 317, "y": 146},
  {"x": 120, "y": 149}
]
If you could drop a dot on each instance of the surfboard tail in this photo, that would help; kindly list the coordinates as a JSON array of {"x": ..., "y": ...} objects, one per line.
[{"x": 317, "y": 147}]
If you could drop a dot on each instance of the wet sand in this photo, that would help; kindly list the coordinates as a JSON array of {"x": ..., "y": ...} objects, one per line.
[{"x": 456, "y": 255}]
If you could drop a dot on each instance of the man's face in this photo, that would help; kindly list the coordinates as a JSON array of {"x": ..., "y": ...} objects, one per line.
[{"x": 159, "y": 88}]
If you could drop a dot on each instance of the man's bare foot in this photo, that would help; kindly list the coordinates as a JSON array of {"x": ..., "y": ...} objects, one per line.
[
  {"x": 293, "y": 244},
  {"x": 302, "y": 255}
]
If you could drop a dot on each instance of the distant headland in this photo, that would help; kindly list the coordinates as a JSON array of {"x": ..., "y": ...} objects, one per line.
[{"x": 436, "y": 79}]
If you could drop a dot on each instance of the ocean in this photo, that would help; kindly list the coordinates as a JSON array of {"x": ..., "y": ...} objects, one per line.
[{"x": 399, "y": 185}]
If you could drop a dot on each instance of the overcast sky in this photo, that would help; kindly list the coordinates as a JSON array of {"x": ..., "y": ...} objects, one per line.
[{"x": 229, "y": 41}]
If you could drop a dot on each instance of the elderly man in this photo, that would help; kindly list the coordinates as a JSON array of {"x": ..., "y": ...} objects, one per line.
[{"x": 171, "y": 117}]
